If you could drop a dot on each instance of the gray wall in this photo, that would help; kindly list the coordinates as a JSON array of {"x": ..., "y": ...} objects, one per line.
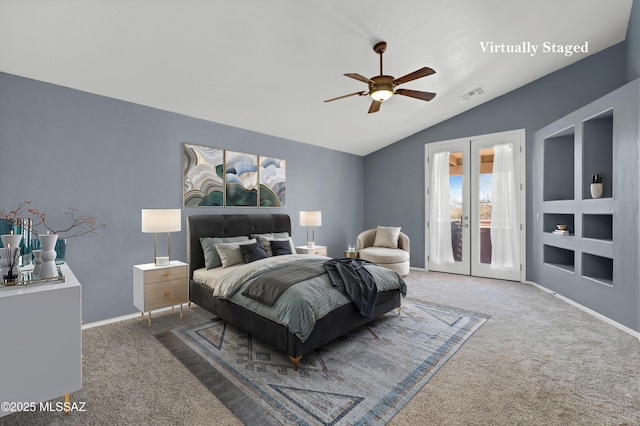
[
  {"x": 633, "y": 43},
  {"x": 64, "y": 148},
  {"x": 394, "y": 175}
]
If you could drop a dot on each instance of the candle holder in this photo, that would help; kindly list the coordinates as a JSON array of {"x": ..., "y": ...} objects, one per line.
[{"x": 48, "y": 255}]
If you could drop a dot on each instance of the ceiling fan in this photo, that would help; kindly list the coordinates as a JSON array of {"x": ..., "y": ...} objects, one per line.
[{"x": 381, "y": 87}]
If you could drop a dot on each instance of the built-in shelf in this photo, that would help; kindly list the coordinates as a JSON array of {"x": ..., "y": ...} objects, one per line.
[
  {"x": 559, "y": 257},
  {"x": 596, "y": 265},
  {"x": 597, "y": 226},
  {"x": 597, "y": 268},
  {"x": 552, "y": 220},
  {"x": 597, "y": 153},
  {"x": 559, "y": 169}
]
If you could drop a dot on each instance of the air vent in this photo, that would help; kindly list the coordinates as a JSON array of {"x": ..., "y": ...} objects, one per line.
[{"x": 473, "y": 93}]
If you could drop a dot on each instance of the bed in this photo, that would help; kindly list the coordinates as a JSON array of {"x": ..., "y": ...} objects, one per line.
[{"x": 336, "y": 323}]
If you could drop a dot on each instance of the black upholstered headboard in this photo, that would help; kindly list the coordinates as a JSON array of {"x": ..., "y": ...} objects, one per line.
[{"x": 228, "y": 225}]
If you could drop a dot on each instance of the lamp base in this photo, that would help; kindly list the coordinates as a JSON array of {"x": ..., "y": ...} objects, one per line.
[
  {"x": 311, "y": 244},
  {"x": 162, "y": 261}
]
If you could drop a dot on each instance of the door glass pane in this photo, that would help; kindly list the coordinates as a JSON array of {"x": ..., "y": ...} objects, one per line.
[
  {"x": 455, "y": 203},
  {"x": 484, "y": 186}
]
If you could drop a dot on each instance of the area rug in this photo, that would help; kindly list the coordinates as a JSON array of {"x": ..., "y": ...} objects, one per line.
[{"x": 363, "y": 378}]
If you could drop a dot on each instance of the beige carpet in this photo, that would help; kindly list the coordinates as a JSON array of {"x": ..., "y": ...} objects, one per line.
[{"x": 537, "y": 361}]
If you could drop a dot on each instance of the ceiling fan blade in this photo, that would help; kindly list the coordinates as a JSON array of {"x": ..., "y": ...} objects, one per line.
[
  {"x": 422, "y": 72},
  {"x": 346, "y": 96},
  {"x": 375, "y": 106},
  {"x": 425, "y": 96},
  {"x": 359, "y": 77}
]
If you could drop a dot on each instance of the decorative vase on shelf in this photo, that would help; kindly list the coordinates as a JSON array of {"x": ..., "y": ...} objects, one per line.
[
  {"x": 20, "y": 227},
  {"x": 37, "y": 262},
  {"x": 596, "y": 190},
  {"x": 61, "y": 250},
  {"x": 48, "y": 255}
]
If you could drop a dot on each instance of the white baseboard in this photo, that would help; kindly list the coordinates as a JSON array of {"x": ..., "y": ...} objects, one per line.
[
  {"x": 587, "y": 310},
  {"x": 117, "y": 319}
]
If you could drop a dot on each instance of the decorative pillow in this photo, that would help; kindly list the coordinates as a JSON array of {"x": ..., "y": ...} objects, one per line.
[
  {"x": 230, "y": 253},
  {"x": 270, "y": 235},
  {"x": 280, "y": 247},
  {"x": 211, "y": 256},
  {"x": 266, "y": 241},
  {"x": 252, "y": 252},
  {"x": 387, "y": 236}
]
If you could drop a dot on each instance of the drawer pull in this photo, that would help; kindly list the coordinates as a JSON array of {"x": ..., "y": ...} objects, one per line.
[
  {"x": 167, "y": 274},
  {"x": 166, "y": 294}
]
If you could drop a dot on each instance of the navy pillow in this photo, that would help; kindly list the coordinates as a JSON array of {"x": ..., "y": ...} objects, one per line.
[
  {"x": 253, "y": 252},
  {"x": 280, "y": 247}
]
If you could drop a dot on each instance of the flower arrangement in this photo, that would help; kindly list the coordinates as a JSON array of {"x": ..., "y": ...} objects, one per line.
[
  {"x": 15, "y": 217},
  {"x": 80, "y": 224}
]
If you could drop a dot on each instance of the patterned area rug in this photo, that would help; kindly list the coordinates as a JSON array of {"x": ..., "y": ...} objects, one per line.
[{"x": 365, "y": 377}]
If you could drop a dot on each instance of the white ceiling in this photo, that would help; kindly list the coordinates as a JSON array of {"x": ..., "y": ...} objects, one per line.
[{"x": 267, "y": 66}]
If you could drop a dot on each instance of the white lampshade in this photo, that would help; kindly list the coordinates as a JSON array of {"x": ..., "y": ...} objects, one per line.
[
  {"x": 161, "y": 220},
  {"x": 312, "y": 218}
]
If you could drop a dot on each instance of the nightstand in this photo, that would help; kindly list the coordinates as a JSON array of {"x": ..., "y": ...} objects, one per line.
[
  {"x": 156, "y": 287},
  {"x": 319, "y": 250}
]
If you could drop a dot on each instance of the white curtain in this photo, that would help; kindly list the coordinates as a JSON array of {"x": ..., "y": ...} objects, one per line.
[
  {"x": 505, "y": 228},
  {"x": 440, "y": 250}
]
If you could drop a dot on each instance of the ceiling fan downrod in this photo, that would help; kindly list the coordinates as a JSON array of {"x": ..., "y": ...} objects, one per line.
[{"x": 379, "y": 48}]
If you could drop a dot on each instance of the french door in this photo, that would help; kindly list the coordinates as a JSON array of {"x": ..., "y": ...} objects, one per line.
[{"x": 475, "y": 205}]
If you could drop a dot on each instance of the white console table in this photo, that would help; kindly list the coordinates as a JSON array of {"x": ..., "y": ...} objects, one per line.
[{"x": 40, "y": 340}]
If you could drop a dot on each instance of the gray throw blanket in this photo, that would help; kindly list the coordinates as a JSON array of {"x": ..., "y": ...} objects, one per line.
[
  {"x": 350, "y": 276},
  {"x": 268, "y": 287}
]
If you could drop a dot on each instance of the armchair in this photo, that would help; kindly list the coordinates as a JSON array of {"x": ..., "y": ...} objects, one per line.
[{"x": 386, "y": 256}]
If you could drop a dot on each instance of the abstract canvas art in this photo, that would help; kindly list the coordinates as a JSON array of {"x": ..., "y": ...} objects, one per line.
[
  {"x": 215, "y": 177},
  {"x": 241, "y": 179},
  {"x": 273, "y": 183},
  {"x": 203, "y": 172}
]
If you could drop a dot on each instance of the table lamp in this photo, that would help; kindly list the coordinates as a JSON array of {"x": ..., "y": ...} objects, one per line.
[
  {"x": 161, "y": 220},
  {"x": 311, "y": 219}
]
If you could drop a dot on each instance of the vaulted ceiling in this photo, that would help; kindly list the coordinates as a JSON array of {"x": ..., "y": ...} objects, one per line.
[{"x": 267, "y": 66}]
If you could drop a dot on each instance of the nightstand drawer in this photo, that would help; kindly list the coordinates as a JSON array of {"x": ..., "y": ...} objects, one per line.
[
  {"x": 318, "y": 250},
  {"x": 164, "y": 274},
  {"x": 165, "y": 293}
]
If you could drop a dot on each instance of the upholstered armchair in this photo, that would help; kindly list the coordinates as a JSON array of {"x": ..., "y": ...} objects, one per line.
[{"x": 385, "y": 246}]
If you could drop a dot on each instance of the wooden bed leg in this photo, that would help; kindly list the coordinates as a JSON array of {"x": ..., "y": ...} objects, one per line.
[
  {"x": 295, "y": 361},
  {"x": 399, "y": 310}
]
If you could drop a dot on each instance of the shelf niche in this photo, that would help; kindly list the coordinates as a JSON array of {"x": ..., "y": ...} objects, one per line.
[
  {"x": 559, "y": 168},
  {"x": 559, "y": 257},
  {"x": 552, "y": 220},
  {"x": 597, "y": 153},
  {"x": 597, "y": 226},
  {"x": 597, "y": 268}
]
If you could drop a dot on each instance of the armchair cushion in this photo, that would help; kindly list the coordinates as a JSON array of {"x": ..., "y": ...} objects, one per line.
[
  {"x": 384, "y": 255},
  {"x": 387, "y": 236}
]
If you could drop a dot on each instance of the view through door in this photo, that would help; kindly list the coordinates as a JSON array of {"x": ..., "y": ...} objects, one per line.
[{"x": 474, "y": 206}]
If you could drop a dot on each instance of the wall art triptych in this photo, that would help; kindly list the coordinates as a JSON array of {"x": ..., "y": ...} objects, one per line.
[{"x": 223, "y": 178}]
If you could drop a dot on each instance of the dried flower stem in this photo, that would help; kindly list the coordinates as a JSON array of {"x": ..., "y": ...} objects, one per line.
[{"x": 80, "y": 224}]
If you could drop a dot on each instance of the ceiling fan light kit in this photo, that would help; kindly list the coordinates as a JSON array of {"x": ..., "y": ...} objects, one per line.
[{"x": 382, "y": 87}]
